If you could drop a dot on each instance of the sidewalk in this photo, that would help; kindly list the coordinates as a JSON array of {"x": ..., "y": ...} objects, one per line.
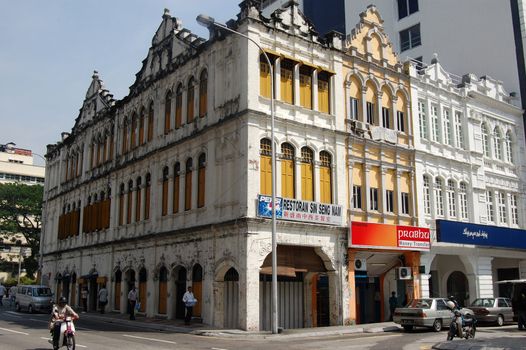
[{"x": 196, "y": 328}]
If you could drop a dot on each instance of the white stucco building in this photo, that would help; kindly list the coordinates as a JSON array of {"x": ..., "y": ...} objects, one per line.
[
  {"x": 469, "y": 143},
  {"x": 161, "y": 189}
]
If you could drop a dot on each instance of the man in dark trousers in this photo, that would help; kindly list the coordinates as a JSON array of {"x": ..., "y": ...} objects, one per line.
[
  {"x": 393, "y": 303},
  {"x": 132, "y": 300},
  {"x": 189, "y": 301}
]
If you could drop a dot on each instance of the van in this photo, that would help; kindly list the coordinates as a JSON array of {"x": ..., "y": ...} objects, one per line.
[
  {"x": 34, "y": 298},
  {"x": 517, "y": 287}
]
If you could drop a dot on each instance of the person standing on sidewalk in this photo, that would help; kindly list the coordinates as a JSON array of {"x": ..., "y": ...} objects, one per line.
[
  {"x": 189, "y": 301},
  {"x": 103, "y": 298},
  {"x": 84, "y": 296},
  {"x": 2, "y": 293},
  {"x": 393, "y": 303},
  {"x": 132, "y": 300}
]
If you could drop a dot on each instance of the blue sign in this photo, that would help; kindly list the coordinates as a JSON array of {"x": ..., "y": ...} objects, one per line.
[{"x": 482, "y": 235}]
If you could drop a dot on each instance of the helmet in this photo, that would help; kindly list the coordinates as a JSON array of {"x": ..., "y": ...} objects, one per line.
[
  {"x": 450, "y": 304},
  {"x": 62, "y": 301},
  {"x": 452, "y": 297},
  {"x": 457, "y": 313}
]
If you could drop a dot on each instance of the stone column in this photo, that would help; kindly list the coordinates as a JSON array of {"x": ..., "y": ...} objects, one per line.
[
  {"x": 394, "y": 116},
  {"x": 426, "y": 259},
  {"x": 522, "y": 269},
  {"x": 481, "y": 279},
  {"x": 277, "y": 78},
  {"x": 249, "y": 302},
  {"x": 363, "y": 116},
  {"x": 398, "y": 192},
  {"x": 314, "y": 90},
  {"x": 378, "y": 108},
  {"x": 296, "y": 87},
  {"x": 367, "y": 169},
  {"x": 351, "y": 255},
  {"x": 383, "y": 195},
  {"x": 297, "y": 178}
]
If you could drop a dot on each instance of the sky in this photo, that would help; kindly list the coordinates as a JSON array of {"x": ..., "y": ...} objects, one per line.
[{"x": 50, "y": 48}]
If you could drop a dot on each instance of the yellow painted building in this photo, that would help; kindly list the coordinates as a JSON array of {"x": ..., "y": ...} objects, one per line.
[{"x": 380, "y": 171}]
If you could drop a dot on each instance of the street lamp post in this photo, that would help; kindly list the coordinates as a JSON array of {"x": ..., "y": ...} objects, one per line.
[{"x": 210, "y": 22}]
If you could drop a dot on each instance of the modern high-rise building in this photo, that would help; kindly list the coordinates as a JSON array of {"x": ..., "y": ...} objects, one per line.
[{"x": 16, "y": 165}]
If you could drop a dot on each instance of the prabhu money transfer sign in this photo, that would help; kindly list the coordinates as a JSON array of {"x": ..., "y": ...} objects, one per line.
[
  {"x": 298, "y": 210},
  {"x": 383, "y": 236}
]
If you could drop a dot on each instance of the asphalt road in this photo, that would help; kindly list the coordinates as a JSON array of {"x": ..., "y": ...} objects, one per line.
[{"x": 29, "y": 331}]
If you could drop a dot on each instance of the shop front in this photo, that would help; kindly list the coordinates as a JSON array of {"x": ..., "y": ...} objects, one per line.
[
  {"x": 468, "y": 259},
  {"x": 383, "y": 259}
]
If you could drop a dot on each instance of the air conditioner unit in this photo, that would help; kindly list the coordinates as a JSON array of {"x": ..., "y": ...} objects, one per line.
[
  {"x": 361, "y": 126},
  {"x": 404, "y": 273},
  {"x": 360, "y": 265}
]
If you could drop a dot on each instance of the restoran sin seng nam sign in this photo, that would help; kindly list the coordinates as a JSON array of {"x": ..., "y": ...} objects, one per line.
[{"x": 382, "y": 236}]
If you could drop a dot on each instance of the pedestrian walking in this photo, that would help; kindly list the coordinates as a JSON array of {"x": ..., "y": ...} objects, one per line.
[
  {"x": 189, "y": 301},
  {"x": 393, "y": 303},
  {"x": 103, "y": 298},
  {"x": 132, "y": 301},
  {"x": 2, "y": 293},
  {"x": 12, "y": 294},
  {"x": 84, "y": 296}
]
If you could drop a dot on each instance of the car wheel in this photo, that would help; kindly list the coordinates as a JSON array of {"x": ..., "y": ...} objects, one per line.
[
  {"x": 500, "y": 320},
  {"x": 30, "y": 309},
  {"x": 437, "y": 325},
  {"x": 408, "y": 328}
]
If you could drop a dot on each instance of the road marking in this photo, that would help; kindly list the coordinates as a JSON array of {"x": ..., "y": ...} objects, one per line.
[
  {"x": 151, "y": 339},
  {"x": 217, "y": 349},
  {"x": 80, "y": 346},
  {"x": 12, "y": 314},
  {"x": 8, "y": 330}
]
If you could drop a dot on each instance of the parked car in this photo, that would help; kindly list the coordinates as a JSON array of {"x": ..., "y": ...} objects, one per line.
[
  {"x": 494, "y": 310},
  {"x": 34, "y": 298},
  {"x": 430, "y": 312}
]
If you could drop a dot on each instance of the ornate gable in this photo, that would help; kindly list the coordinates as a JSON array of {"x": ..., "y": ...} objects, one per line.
[
  {"x": 368, "y": 39},
  {"x": 97, "y": 98},
  {"x": 170, "y": 44}
]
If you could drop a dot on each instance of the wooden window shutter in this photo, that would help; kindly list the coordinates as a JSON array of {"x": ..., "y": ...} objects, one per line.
[
  {"x": 203, "y": 94},
  {"x": 201, "y": 181},
  {"x": 188, "y": 186},
  {"x": 167, "y": 113},
  {"x": 179, "y": 107},
  {"x": 190, "y": 102},
  {"x": 176, "y": 187}
]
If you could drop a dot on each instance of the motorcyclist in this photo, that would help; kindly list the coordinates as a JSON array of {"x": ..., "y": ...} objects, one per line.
[
  {"x": 455, "y": 307},
  {"x": 59, "y": 313}
]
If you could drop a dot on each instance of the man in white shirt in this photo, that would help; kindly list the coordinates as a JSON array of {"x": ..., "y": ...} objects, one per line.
[
  {"x": 132, "y": 300},
  {"x": 103, "y": 298},
  {"x": 2, "y": 293},
  {"x": 189, "y": 301}
]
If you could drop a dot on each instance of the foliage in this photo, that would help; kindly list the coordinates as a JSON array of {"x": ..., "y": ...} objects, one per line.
[
  {"x": 13, "y": 281},
  {"x": 21, "y": 213}
]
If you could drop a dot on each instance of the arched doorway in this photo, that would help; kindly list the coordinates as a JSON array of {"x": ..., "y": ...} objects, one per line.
[
  {"x": 180, "y": 289},
  {"x": 59, "y": 286},
  {"x": 117, "y": 290},
  {"x": 457, "y": 286},
  {"x": 143, "y": 278},
  {"x": 130, "y": 279},
  {"x": 73, "y": 295},
  {"x": 65, "y": 285},
  {"x": 231, "y": 303},
  {"x": 163, "y": 289},
  {"x": 197, "y": 286}
]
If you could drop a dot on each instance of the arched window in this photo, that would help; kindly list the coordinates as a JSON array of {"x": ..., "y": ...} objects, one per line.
[
  {"x": 117, "y": 290},
  {"x": 439, "y": 197},
  {"x": 188, "y": 185},
  {"x": 451, "y": 199},
  {"x": 179, "y": 106},
  {"x": 133, "y": 131},
  {"x": 147, "y": 193},
  {"x": 201, "y": 181},
  {"x": 401, "y": 106},
  {"x": 509, "y": 147},
  {"x": 265, "y": 177},
  {"x": 485, "y": 140},
  {"x": 325, "y": 177},
  {"x": 355, "y": 102},
  {"x": 371, "y": 99},
  {"x": 124, "y": 137},
  {"x": 138, "y": 199},
  {"x": 130, "y": 196},
  {"x": 287, "y": 171},
  {"x": 163, "y": 289},
  {"x": 463, "y": 200},
  {"x": 190, "y": 96},
  {"x": 307, "y": 170},
  {"x": 497, "y": 143},
  {"x": 203, "y": 93},
  {"x": 142, "y": 118},
  {"x": 386, "y": 108},
  {"x": 164, "y": 195},
  {"x": 427, "y": 195},
  {"x": 177, "y": 186},
  {"x": 150, "y": 122},
  {"x": 121, "y": 205},
  {"x": 167, "y": 112}
]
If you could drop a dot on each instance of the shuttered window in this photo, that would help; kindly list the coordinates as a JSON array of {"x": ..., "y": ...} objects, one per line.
[
  {"x": 167, "y": 112},
  {"x": 287, "y": 82},
  {"x": 203, "y": 93},
  {"x": 164, "y": 195},
  {"x": 176, "y": 186},
  {"x": 150, "y": 122},
  {"x": 190, "y": 101},
  {"x": 265, "y": 167},
  {"x": 264, "y": 78},
  {"x": 307, "y": 184},
  {"x": 325, "y": 177},
  {"x": 201, "y": 184},
  {"x": 179, "y": 107},
  {"x": 130, "y": 203},
  {"x": 188, "y": 185},
  {"x": 323, "y": 92},
  {"x": 121, "y": 205},
  {"x": 138, "y": 200},
  {"x": 141, "y": 127},
  {"x": 147, "y": 192},
  {"x": 124, "y": 138},
  {"x": 133, "y": 132},
  {"x": 287, "y": 171},
  {"x": 306, "y": 87}
]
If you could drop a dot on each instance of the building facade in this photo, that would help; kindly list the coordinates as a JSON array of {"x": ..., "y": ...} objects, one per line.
[
  {"x": 469, "y": 142},
  {"x": 169, "y": 186}
]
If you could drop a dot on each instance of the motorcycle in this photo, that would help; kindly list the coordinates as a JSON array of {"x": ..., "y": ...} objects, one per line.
[
  {"x": 67, "y": 334},
  {"x": 468, "y": 324}
]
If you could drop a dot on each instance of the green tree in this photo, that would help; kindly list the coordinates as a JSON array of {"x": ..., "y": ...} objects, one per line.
[{"x": 21, "y": 213}]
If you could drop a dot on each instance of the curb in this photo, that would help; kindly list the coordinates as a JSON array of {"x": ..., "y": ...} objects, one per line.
[{"x": 451, "y": 345}]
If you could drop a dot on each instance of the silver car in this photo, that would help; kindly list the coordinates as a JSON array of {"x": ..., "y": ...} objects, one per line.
[
  {"x": 494, "y": 310},
  {"x": 430, "y": 312},
  {"x": 33, "y": 298}
]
